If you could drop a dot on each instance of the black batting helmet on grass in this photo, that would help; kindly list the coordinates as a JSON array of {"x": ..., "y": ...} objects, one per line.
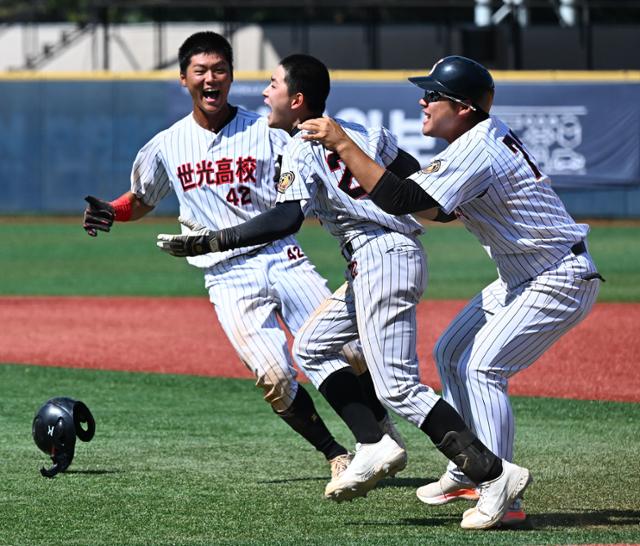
[{"x": 54, "y": 430}]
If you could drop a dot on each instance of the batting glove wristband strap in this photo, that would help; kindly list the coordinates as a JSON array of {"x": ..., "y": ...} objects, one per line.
[{"x": 182, "y": 246}]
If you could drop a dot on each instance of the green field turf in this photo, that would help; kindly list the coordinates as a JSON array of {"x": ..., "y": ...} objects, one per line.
[
  {"x": 47, "y": 257},
  {"x": 186, "y": 460},
  {"x": 181, "y": 460}
]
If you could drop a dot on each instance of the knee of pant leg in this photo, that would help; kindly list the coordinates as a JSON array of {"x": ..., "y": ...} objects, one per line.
[
  {"x": 444, "y": 357},
  {"x": 279, "y": 387},
  {"x": 306, "y": 350},
  {"x": 487, "y": 372}
]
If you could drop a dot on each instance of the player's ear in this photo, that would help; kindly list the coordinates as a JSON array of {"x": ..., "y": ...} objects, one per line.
[
  {"x": 296, "y": 101},
  {"x": 183, "y": 79},
  {"x": 464, "y": 111}
]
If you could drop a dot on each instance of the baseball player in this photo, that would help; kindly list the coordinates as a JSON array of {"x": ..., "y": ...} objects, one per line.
[
  {"x": 386, "y": 277},
  {"x": 547, "y": 281},
  {"x": 219, "y": 160}
]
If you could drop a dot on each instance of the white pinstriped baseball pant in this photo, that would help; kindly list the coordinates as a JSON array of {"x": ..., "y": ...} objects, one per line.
[
  {"x": 501, "y": 332},
  {"x": 378, "y": 306},
  {"x": 250, "y": 292}
]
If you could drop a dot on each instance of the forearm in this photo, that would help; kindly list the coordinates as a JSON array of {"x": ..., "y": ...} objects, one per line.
[
  {"x": 400, "y": 196},
  {"x": 364, "y": 169},
  {"x": 284, "y": 219}
]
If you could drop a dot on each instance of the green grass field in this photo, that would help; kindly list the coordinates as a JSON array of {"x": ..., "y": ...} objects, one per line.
[
  {"x": 202, "y": 461},
  {"x": 58, "y": 258},
  {"x": 186, "y": 460}
]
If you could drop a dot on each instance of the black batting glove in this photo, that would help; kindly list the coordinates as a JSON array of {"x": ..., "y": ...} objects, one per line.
[
  {"x": 188, "y": 245},
  {"x": 98, "y": 216},
  {"x": 201, "y": 241}
]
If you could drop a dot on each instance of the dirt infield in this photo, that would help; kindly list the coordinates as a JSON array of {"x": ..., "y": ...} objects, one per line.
[{"x": 597, "y": 360}]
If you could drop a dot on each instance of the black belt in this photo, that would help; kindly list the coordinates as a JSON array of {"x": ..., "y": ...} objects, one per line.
[
  {"x": 349, "y": 248},
  {"x": 579, "y": 248}
]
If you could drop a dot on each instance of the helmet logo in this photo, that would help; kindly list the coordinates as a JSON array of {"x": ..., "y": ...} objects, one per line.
[{"x": 50, "y": 430}]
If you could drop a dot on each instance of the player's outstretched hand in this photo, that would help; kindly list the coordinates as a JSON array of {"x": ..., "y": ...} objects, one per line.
[
  {"x": 193, "y": 226},
  {"x": 201, "y": 240},
  {"x": 325, "y": 131},
  {"x": 98, "y": 216}
]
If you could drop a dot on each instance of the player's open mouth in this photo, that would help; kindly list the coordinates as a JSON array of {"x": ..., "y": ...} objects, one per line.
[{"x": 211, "y": 95}]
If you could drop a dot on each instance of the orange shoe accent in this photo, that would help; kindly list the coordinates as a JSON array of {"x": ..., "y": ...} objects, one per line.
[
  {"x": 513, "y": 516},
  {"x": 467, "y": 494}
]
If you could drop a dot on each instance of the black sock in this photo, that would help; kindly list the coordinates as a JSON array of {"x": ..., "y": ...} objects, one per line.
[
  {"x": 370, "y": 396},
  {"x": 302, "y": 417},
  {"x": 453, "y": 438},
  {"x": 342, "y": 390}
]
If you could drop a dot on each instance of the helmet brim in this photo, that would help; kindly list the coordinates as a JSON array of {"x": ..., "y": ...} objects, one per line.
[{"x": 429, "y": 83}]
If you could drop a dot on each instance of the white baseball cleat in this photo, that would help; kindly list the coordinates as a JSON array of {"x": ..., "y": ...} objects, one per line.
[
  {"x": 445, "y": 490},
  {"x": 514, "y": 515},
  {"x": 370, "y": 464},
  {"x": 496, "y": 496},
  {"x": 389, "y": 427}
]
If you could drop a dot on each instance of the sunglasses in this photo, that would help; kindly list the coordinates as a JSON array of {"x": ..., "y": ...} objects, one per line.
[{"x": 435, "y": 96}]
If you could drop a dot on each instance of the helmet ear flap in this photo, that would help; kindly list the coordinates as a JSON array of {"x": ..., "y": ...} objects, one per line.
[{"x": 81, "y": 414}]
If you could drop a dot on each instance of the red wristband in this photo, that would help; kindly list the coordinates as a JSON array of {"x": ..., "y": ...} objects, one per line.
[{"x": 122, "y": 208}]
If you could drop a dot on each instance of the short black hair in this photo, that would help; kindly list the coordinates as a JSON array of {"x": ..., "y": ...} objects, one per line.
[
  {"x": 204, "y": 42},
  {"x": 307, "y": 75}
]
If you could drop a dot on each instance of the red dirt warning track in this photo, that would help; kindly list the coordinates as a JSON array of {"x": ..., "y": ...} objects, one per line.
[{"x": 597, "y": 360}]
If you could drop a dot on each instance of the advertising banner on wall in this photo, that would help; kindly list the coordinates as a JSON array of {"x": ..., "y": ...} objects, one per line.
[
  {"x": 581, "y": 134},
  {"x": 63, "y": 139}
]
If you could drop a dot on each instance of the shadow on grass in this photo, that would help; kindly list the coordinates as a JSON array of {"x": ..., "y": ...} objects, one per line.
[
  {"x": 294, "y": 480},
  {"x": 541, "y": 522},
  {"x": 387, "y": 482},
  {"x": 93, "y": 472},
  {"x": 405, "y": 482},
  {"x": 589, "y": 518}
]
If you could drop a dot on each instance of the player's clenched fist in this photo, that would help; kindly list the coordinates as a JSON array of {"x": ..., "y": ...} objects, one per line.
[
  {"x": 200, "y": 241},
  {"x": 98, "y": 216}
]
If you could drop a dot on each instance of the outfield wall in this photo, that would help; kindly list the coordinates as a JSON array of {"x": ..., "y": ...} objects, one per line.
[{"x": 66, "y": 136}]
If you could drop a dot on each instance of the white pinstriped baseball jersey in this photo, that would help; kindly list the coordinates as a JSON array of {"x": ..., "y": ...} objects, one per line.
[
  {"x": 317, "y": 177},
  {"x": 221, "y": 179},
  {"x": 547, "y": 284},
  {"x": 488, "y": 178}
]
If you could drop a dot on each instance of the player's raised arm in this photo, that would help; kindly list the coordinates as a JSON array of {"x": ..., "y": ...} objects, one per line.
[
  {"x": 392, "y": 193},
  {"x": 99, "y": 215},
  {"x": 329, "y": 133}
]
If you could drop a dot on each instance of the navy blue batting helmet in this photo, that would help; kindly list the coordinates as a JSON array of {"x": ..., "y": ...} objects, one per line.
[
  {"x": 55, "y": 428},
  {"x": 461, "y": 78}
]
